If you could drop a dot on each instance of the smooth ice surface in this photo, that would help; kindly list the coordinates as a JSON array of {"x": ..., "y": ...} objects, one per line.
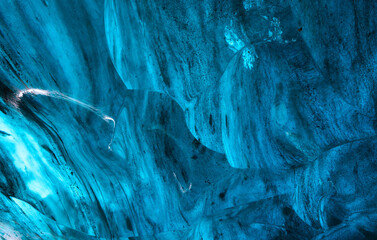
[{"x": 162, "y": 119}]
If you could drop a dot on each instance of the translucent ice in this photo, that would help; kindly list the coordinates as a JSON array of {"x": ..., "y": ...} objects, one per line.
[{"x": 161, "y": 119}]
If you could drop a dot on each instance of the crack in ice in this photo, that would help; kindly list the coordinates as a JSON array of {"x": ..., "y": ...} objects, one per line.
[
  {"x": 183, "y": 190},
  {"x": 59, "y": 95}
]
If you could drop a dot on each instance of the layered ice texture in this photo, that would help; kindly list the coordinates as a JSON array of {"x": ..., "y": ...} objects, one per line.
[{"x": 162, "y": 119}]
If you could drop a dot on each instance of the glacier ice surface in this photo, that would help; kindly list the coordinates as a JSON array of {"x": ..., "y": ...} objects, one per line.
[{"x": 161, "y": 119}]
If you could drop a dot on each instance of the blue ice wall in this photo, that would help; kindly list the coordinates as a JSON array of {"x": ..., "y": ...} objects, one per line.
[{"x": 161, "y": 119}]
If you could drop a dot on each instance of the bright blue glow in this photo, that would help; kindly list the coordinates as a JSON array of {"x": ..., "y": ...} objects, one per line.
[{"x": 159, "y": 119}]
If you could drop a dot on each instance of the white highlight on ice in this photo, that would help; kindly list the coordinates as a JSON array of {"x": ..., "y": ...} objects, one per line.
[
  {"x": 39, "y": 187},
  {"x": 33, "y": 91},
  {"x": 180, "y": 186},
  {"x": 58, "y": 95},
  {"x": 7, "y": 232},
  {"x": 107, "y": 118}
]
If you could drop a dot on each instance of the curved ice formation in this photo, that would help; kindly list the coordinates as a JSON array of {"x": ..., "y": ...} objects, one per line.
[{"x": 161, "y": 119}]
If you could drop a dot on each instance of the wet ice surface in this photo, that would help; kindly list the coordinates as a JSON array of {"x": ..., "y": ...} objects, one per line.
[{"x": 208, "y": 119}]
